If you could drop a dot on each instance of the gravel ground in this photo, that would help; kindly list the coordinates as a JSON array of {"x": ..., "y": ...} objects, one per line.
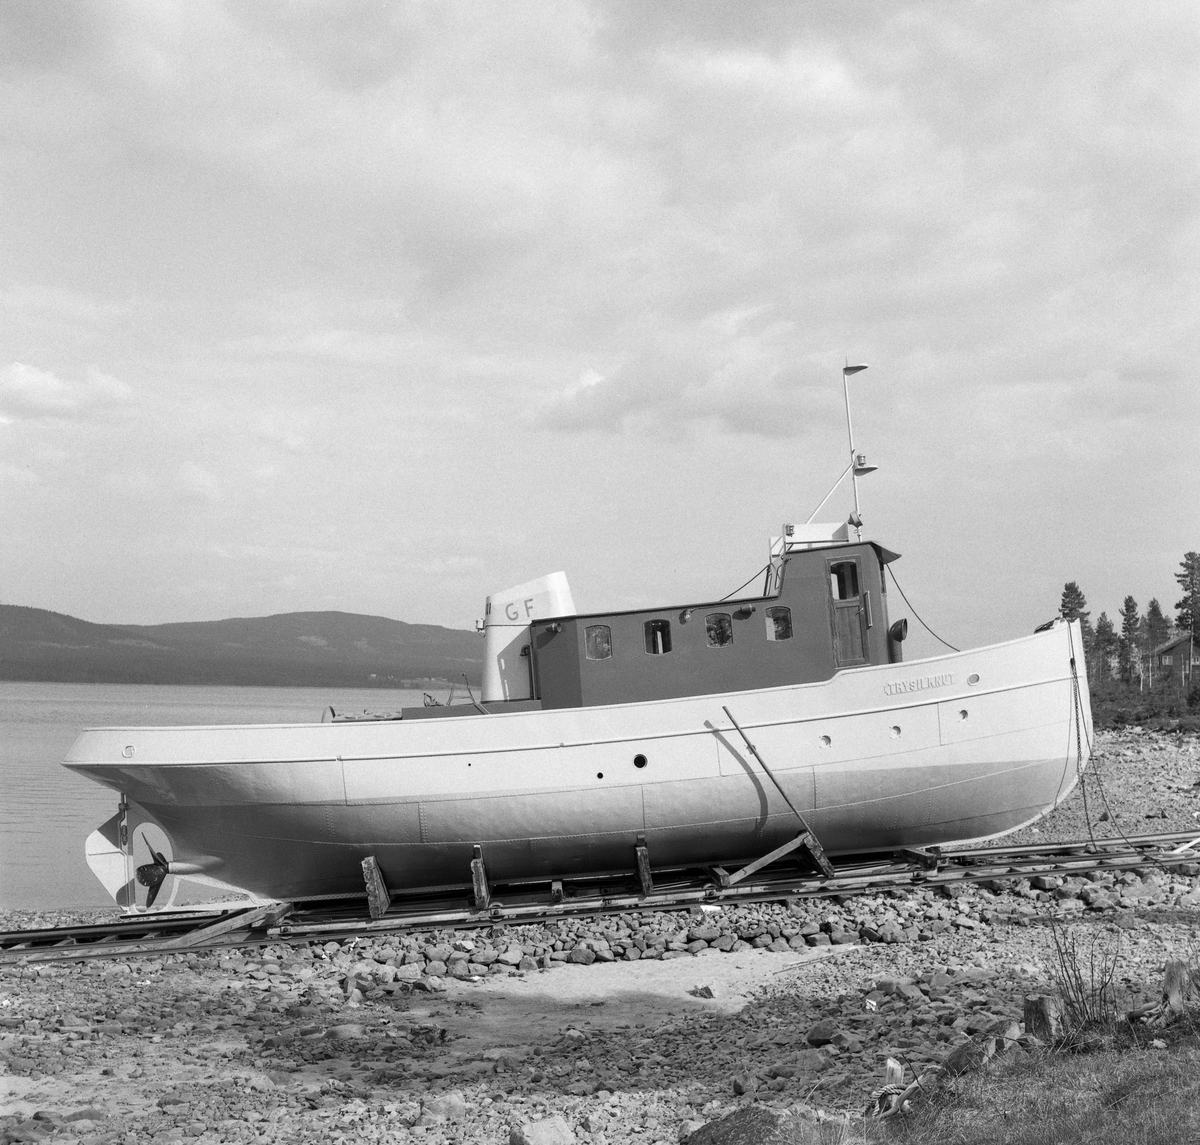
[
  {"x": 633, "y": 1028},
  {"x": 1138, "y": 783}
]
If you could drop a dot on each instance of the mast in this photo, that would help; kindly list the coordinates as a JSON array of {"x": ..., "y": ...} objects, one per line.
[{"x": 855, "y": 468}]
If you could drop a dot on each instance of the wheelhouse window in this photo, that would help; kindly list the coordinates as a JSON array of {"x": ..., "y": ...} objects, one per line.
[
  {"x": 597, "y": 641},
  {"x": 779, "y": 623},
  {"x": 658, "y": 637},
  {"x": 718, "y": 629},
  {"x": 843, "y": 578}
]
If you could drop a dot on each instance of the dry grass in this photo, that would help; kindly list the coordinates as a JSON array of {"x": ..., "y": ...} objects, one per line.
[
  {"x": 1106, "y": 1082},
  {"x": 1125, "y": 1096}
]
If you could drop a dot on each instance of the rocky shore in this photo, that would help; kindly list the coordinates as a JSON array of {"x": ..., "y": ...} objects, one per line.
[{"x": 637, "y": 1027}]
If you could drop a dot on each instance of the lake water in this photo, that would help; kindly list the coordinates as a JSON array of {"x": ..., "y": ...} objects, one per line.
[{"x": 46, "y": 811}]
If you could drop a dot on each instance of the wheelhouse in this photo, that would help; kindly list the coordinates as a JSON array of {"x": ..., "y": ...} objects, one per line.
[{"x": 823, "y": 609}]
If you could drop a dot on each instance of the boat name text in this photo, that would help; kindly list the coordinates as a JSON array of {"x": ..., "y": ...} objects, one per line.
[{"x": 918, "y": 684}]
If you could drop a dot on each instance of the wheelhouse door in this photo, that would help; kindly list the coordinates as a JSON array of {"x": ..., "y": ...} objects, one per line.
[{"x": 849, "y": 613}]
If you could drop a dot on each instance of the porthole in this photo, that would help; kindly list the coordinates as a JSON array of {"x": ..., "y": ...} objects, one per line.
[
  {"x": 640, "y": 761},
  {"x": 825, "y": 741},
  {"x": 895, "y": 731},
  {"x": 973, "y": 678},
  {"x": 599, "y": 775}
]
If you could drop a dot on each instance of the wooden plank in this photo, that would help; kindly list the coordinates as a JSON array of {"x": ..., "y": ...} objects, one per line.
[
  {"x": 800, "y": 840},
  {"x": 379, "y": 901},
  {"x": 645, "y": 879},
  {"x": 918, "y": 855},
  {"x": 479, "y": 881},
  {"x": 263, "y": 916}
]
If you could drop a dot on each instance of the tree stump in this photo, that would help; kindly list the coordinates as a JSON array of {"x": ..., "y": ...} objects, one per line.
[
  {"x": 1042, "y": 1017},
  {"x": 1177, "y": 986}
]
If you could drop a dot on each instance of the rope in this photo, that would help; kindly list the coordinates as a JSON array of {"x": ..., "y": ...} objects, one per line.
[
  {"x": 1077, "y": 705},
  {"x": 916, "y": 614},
  {"x": 750, "y": 581},
  {"x": 1081, "y": 737}
]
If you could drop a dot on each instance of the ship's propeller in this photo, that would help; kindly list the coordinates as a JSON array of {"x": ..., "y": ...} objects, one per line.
[{"x": 152, "y": 875}]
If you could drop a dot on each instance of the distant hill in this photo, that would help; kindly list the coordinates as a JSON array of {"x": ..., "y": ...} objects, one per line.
[{"x": 296, "y": 649}]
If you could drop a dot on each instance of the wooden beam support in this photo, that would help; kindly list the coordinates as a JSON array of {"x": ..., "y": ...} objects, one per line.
[
  {"x": 378, "y": 899},
  {"x": 645, "y": 879},
  {"x": 804, "y": 840},
  {"x": 479, "y": 880},
  {"x": 918, "y": 855},
  {"x": 258, "y": 918},
  {"x": 807, "y": 839}
]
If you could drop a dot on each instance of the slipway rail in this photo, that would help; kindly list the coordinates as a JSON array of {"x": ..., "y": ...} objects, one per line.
[{"x": 521, "y": 904}]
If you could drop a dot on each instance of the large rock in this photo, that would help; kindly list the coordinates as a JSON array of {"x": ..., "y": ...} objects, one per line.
[
  {"x": 822, "y": 1033},
  {"x": 450, "y": 1106},
  {"x": 549, "y": 1131},
  {"x": 753, "y": 1125}
]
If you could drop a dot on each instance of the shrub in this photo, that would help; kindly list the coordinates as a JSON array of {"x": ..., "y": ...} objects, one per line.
[{"x": 1085, "y": 975}]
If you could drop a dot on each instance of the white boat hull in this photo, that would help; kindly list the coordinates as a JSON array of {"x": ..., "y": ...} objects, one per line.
[{"x": 875, "y": 758}]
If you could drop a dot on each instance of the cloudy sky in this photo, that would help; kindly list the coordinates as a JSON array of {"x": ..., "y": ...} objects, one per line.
[{"x": 382, "y": 307}]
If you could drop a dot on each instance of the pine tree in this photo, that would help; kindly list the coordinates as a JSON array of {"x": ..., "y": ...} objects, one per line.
[
  {"x": 1187, "y": 616},
  {"x": 1104, "y": 643},
  {"x": 1074, "y": 607},
  {"x": 1158, "y": 627},
  {"x": 1074, "y": 603},
  {"x": 1158, "y": 630},
  {"x": 1128, "y": 653}
]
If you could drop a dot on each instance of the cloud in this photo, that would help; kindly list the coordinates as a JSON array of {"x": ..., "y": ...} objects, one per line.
[
  {"x": 197, "y": 483},
  {"x": 30, "y": 394},
  {"x": 350, "y": 257},
  {"x": 733, "y": 370}
]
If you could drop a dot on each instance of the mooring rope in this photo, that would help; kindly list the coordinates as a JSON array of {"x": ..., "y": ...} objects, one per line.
[
  {"x": 917, "y": 614},
  {"x": 1081, "y": 738},
  {"x": 750, "y": 581}
]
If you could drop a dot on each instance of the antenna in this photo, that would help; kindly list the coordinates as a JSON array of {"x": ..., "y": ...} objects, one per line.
[{"x": 858, "y": 465}]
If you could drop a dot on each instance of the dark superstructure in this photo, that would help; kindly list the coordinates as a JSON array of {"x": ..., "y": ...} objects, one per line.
[{"x": 828, "y": 611}]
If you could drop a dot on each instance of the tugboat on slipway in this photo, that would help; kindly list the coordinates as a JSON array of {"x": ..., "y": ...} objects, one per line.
[{"x": 702, "y": 734}]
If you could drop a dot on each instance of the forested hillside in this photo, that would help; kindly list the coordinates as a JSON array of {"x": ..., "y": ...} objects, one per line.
[{"x": 326, "y": 649}]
